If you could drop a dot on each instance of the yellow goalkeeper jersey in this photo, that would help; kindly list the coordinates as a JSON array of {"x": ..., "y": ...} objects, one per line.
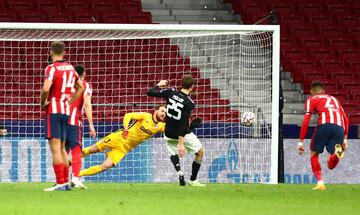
[{"x": 142, "y": 128}]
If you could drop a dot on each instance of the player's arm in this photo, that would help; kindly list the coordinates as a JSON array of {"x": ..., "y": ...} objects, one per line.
[
  {"x": 88, "y": 113},
  {"x": 346, "y": 132},
  {"x": 79, "y": 88},
  {"x": 49, "y": 76},
  {"x": 157, "y": 92},
  {"x": 304, "y": 126},
  {"x": 127, "y": 119}
]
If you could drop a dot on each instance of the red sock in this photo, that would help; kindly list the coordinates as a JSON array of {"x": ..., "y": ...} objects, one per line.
[
  {"x": 59, "y": 173},
  {"x": 76, "y": 160},
  {"x": 333, "y": 160},
  {"x": 316, "y": 168},
  {"x": 66, "y": 174}
]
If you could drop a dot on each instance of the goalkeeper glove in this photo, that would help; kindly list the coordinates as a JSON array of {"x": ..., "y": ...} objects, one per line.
[{"x": 194, "y": 123}]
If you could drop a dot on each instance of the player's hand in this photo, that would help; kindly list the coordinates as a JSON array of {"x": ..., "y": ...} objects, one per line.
[
  {"x": 344, "y": 145},
  {"x": 163, "y": 83},
  {"x": 45, "y": 104},
  {"x": 182, "y": 150},
  {"x": 300, "y": 148},
  {"x": 125, "y": 133},
  {"x": 92, "y": 132}
]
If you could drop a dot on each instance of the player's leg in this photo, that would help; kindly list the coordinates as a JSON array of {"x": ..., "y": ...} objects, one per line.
[
  {"x": 334, "y": 147},
  {"x": 53, "y": 134},
  {"x": 114, "y": 156},
  {"x": 100, "y": 146},
  {"x": 317, "y": 146},
  {"x": 193, "y": 145},
  {"x": 171, "y": 145},
  {"x": 64, "y": 128}
]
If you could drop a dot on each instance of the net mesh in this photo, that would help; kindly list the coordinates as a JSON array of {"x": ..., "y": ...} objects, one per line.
[{"x": 233, "y": 72}]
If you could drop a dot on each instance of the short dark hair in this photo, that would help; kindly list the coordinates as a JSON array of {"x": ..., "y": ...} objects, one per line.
[
  {"x": 317, "y": 85},
  {"x": 79, "y": 69},
  {"x": 159, "y": 106},
  {"x": 58, "y": 47},
  {"x": 187, "y": 81}
]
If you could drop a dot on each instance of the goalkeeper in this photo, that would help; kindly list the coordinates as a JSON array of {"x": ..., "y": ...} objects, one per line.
[{"x": 119, "y": 143}]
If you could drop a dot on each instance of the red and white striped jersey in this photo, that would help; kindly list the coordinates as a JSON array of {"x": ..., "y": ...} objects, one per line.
[
  {"x": 327, "y": 107},
  {"x": 77, "y": 109},
  {"x": 63, "y": 77}
]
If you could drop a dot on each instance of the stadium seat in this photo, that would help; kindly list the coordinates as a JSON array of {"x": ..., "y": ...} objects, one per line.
[
  {"x": 320, "y": 53},
  {"x": 348, "y": 53},
  {"x": 331, "y": 63},
  {"x": 355, "y": 94},
  {"x": 340, "y": 42},
  {"x": 349, "y": 84},
  {"x": 7, "y": 17},
  {"x": 330, "y": 30},
  {"x": 104, "y": 7},
  {"x": 354, "y": 118},
  {"x": 348, "y": 20},
  {"x": 48, "y": 6},
  {"x": 310, "y": 9},
  {"x": 280, "y": 8},
  {"x": 114, "y": 18},
  {"x": 341, "y": 74},
  {"x": 338, "y": 8},
  {"x": 320, "y": 20},
  {"x": 32, "y": 17},
  {"x": 61, "y": 18},
  {"x": 144, "y": 18},
  {"x": 302, "y": 30},
  {"x": 20, "y": 6},
  {"x": 313, "y": 41},
  {"x": 354, "y": 64},
  {"x": 131, "y": 9},
  {"x": 76, "y": 7},
  {"x": 87, "y": 18}
]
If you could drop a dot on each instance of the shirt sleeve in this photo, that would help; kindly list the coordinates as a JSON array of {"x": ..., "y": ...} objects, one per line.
[
  {"x": 132, "y": 116},
  {"x": 50, "y": 72},
  {"x": 309, "y": 106},
  {"x": 160, "y": 93}
]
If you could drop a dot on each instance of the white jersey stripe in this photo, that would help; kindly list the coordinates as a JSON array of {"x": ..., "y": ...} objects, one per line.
[
  {"x": 336, "y": 102},
  {"x": 308, "y": 105},
  {"x": 53, "y": 105},
  {"x": 51, "y": 73},
  {"x": 323, "y": 118},
  {"x": 338, "y": 119},
  {"x": 331, "y": 113},
  {"x": 67, "y": 107},
  {"x": 73, "y": 115},
  {"x": 62, "y": 101}
]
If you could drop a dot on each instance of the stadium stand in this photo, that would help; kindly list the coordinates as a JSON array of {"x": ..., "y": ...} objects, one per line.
[{"x": 319, "y": 40}]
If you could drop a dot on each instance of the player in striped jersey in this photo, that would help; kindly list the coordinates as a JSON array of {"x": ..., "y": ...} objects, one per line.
[
  {"x": 331, "y": 132},
  {"x": 74, "y": 130},
  {"x": 60, "y": 81}
]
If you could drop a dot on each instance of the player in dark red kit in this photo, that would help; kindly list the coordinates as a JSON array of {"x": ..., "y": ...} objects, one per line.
[
  {"x": 60, "y": 80},
  {"x": 74, "y": 131},
  {"x": 331, "y": 132}
]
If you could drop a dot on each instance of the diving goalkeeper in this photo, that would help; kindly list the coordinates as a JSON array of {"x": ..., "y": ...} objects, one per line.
[{"x": 119, "y": 143}]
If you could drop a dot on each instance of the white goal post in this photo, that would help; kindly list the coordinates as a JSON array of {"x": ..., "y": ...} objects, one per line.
[{"x": 237, "y": 70}]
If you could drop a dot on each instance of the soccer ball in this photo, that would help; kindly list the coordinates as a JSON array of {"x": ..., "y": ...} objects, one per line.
[{"x": 248, "y": 119}]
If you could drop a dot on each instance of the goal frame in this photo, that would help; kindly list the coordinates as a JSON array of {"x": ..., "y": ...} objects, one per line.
[{"x": 275, "y": 29}]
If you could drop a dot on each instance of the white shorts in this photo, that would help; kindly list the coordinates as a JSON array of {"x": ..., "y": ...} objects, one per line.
[{"x": 192, "y": 144}]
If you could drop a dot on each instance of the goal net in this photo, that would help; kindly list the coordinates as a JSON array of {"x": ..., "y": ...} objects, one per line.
[{"x": 236, "y": 70}]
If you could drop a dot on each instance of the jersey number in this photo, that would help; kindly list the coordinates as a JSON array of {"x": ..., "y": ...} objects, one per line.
[
  {"x": 68, "y": 82},
  {"x": 175, "y": 107},
  {"x": 328, "y": 103}
]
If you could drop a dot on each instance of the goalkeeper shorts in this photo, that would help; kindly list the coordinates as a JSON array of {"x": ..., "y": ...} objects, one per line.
[{"x": 191, "y": 142}]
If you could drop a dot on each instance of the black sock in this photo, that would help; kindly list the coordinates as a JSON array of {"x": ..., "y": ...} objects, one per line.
[
  {"x": 195, "y": 169},
  {"x": 176, "y": 162}
]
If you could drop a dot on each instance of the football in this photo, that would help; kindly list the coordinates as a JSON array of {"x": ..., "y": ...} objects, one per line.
[{"x": 248, "y": 119}]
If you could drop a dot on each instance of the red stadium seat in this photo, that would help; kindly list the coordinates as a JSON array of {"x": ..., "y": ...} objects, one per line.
[
  {"x": 330, "y": 31},
  {"x": 280, "y": 8},
  {"x": 144, "y": 18},
  {"x": 348, "y": 20},
  {"x": 341, "y": 74},
  {"x": 354, "y": 118},
  {"x": 320, "y": 20},
  {"x": 76, "y": 7},
  {"x": 114, "y": 18},
  {"x": 32, "y": 17},
  {"x": 130, "y": 9},
  {"x": 310, "y": 9},
  {"x": 103, "y": 7},
  {"x": 338, "y": 9},
  {"x": 320, "y": 53},
  {"x": 302, "y": 30},
  {"x": 340, "y": 42},
  {"x": 355, "y": 94},
  {"x": 61, "y": 18},
  {"x": 348, "y": 53},
  {"x": 48, "y": 6},
  {"x": 354, "y": 64},
  {"x": 331, "y": 63},
  {"x": 350, "y": 106},
  {"x": 312, "y": 41},
  {"x": 349, "y": 84},
  {"x": 20, "y": 6},
  {"x": 87, "y": 18},
  {"x": 7, "y": 17}
]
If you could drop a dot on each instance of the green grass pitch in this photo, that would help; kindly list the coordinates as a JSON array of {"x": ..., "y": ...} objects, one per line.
[{"x": 170, "y": 199}]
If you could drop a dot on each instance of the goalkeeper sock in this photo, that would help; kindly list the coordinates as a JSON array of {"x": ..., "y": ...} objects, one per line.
[
  {"x": 91, "y": 171},
  {"x": 175, "y": 160},
  {"x": 86, "y": 152},
  {"x": 59, "y": 172},
  {"x": 66, "y": 174},
  {"x": 316, "y": 168},
  {"x": 333, "y": 161},
  {"x": 195, "y": 169},
  {"x": 76, "y": 160}
]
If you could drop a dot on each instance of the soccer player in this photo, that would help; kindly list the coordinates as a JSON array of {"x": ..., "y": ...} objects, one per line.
[
  {"x": 331, "y": 132},
  {"x": 145, "y": 125},
  {"x": 60, "y": 80},
  {"x": 74, "y": 130},
  {"x": 178, "y": 139}
]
